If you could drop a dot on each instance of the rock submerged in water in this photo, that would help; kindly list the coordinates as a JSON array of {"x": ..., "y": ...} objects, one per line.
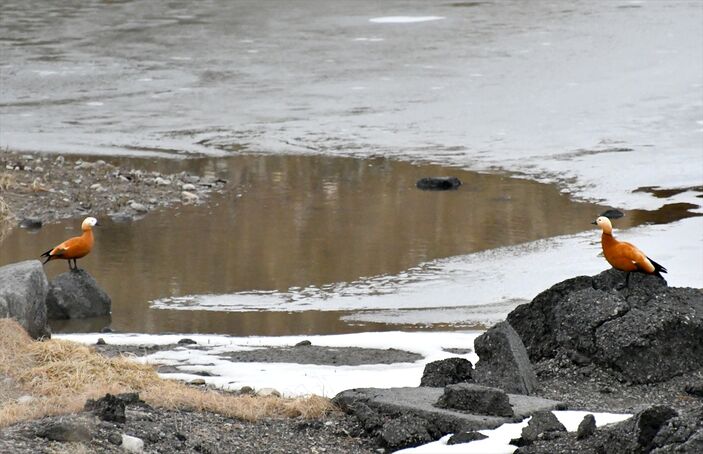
[
  {"x": 587, "y": 319},
  {"x": 23, "y": 291},
  {"x": 438, "y": 183},
  {"x": 75, "y": 294}
]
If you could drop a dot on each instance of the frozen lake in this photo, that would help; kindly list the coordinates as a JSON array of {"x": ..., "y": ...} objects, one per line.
[{"x": 602, "y": 99}]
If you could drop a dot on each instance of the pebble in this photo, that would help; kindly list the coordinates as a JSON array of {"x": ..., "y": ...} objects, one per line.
[
  {"x": 162, "y": 181},
  {"x": 138, "y": 207},
  {"x": 189, "y": 196},
  {"x": 132, "y": 444},
  {"x": 188, "y": 187}
]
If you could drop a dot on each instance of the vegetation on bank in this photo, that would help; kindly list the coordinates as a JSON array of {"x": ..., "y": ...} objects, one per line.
[{"x": 60, "y": 376}]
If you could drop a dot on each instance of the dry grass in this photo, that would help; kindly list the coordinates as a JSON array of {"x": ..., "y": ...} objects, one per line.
[{"x": 61, "y": 375}]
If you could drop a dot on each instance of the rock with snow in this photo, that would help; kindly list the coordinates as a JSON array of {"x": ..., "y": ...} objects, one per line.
[
  {"x": 265, "y": 392},
  {"x": 23, "y": 291},
  {"x": 503, "y": 361},
  {"x": 465, "y": 437},
  {"x": 407, "y": 431},
  {"x": 587, "y": 427},
  {"x": 480, "y": 400},
  {"x": 75, "y": 294},
  {"x": 447, "y": 372},
  {"x": 543, "y": 425},
  {"x": 590, "y": 319}
]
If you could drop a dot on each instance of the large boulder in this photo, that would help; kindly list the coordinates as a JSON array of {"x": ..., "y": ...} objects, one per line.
[
  {"x": 23, "y": 290},
  {"x": 75, "y": 294},
  {"x": 647, "y": 332},
  {"x": 480, "y": 400},
  {"x": 503, "y": 361}
]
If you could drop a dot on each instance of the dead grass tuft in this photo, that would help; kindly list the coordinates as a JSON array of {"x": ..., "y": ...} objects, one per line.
[{"x": 61, "y": 375}]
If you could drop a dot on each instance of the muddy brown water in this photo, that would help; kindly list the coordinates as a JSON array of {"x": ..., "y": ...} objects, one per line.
[{"x": 296, "y": 221}]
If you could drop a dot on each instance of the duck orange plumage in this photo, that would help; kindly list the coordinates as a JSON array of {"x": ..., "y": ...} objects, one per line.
[
  {"x": 625, "y": 256},
  {"x": 76, "y": 247}
]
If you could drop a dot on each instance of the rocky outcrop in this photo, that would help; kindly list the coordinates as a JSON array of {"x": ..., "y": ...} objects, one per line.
[
  {"x": 447, "y": 372},
  {"x": 503, "y": 361},
  {"x": 23, "y": 290},
  {"x": 542, "y": 426},
  {"x": 75, "y": 294},
  {"x": 647, "y": 332},
  {"x": 438, "y": 183},
  {"x": 374, "y": 407}
]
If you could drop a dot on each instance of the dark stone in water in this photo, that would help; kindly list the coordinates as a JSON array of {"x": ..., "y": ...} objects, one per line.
[
  {"x": 186, "y": 341},
  {"x": 612, "y": 214},
  {"x": 31, "y": 223},
  {"x": 438, "y": 183},
  {"x": 75, "y": 294}
]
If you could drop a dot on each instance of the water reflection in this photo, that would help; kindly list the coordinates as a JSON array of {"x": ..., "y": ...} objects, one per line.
[{"x": 297, "y": 221}]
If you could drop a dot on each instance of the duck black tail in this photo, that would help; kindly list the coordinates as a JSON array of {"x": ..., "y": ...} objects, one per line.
[{"x": 658, "y": 269}]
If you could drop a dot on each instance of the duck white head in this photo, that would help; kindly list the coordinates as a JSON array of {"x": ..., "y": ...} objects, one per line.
[
  {"x": 605, "y": 225},
  {"x": 89, "y": 223}
]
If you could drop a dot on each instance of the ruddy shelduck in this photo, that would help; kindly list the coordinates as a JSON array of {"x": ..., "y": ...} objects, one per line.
[
  {"x": 625, "y": 256},
  {"x": 76, "y": 247}
]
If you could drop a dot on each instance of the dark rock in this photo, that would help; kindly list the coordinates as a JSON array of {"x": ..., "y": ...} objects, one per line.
[
  {"x": 23, "y": 291},
  {"x": 695, "y": 389},
  {"x": 101, "y": 341},
  {"x": 115, "y": 438},
  {"x": 65, "y": 430},
  {"x": 406, "y": 431},
  {"x": 186, "y": 341},
  {"x": 612, "y": 214},
  {"x": 107, "y": 408},
  {"x": 247, "y": 390},
  {"x": 589, "y": 319},
  {"x": 476, "y": 399},
  {"x": 106, "y": 329},
  {"x": 303, "y": 343},
  {"x": 75, "y": 294},
  {"x": 180, "y": 436},
  {"x": 503, "y": 361},
  {"x": 369, "y": 419},
  {"x": 438, "y": 183},
  {"x": 31, "y": 223},
  {"x": 648, "y": 422},
  {"x": 587, "y": 427},
  {"x": 465, "y": 437},
  {"x": 129, "y": 398},
  {"x": 446, "y": 372},
  {"x": 541, "y": 426}
]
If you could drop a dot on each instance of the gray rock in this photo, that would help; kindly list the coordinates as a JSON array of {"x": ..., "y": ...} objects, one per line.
[
  {"x": 695, "y": 389},
  {"x": 406, "y": 431},
  {"x": 23, "y": 291},
  {"x": 65, "y": 430},
  {"x": 480, "y": 400},
  {"x": 75, "y": 294},
  {"x": 303, "y": 343},
  {"x": 186, "y": 341},
  {"x": 503, "y": 361},
  {"x": 589, "y": 320},
  {"x": 465, "y": 437},
  {"x": 587, "y": 427},
  {"x": 30, "y": 223},
  {"x": 446, "y": 372},
  {"x": 438, "y": 183}
]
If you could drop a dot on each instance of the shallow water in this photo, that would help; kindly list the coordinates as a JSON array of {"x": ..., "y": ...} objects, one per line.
[{"x": 303, "y": 225}]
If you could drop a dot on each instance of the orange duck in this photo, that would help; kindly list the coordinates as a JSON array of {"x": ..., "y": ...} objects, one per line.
[
  {"x": 625, "y": 256},
  {"x": 76, "y": 247}
]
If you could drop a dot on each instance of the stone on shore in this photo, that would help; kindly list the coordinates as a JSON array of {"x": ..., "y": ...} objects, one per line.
[
  {"x": 480, "y": 400},
  {"x": 543, "y": 426},
  {"x": 588, "y": 319},
  {"x": 503, "y": 361},
  {"x": 447, "y": 372},
  {"x": 438, "y": 183},
  {"x": 75, "y": 294},
  {"x": 23, "y": 291}
]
